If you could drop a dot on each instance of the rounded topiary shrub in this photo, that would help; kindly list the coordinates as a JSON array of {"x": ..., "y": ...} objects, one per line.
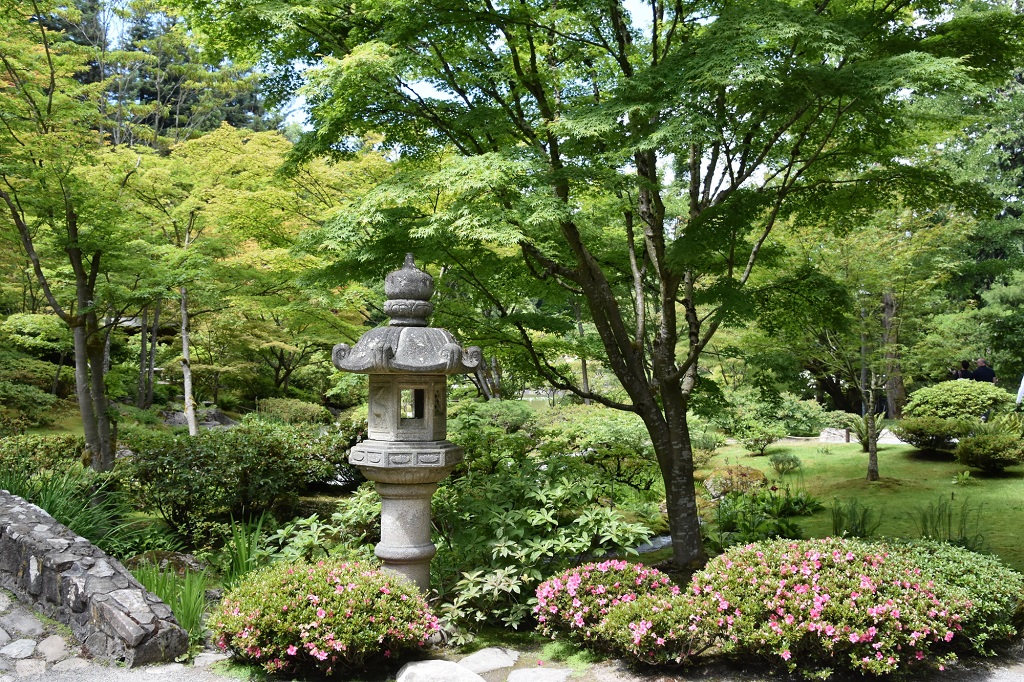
[
  {"x": 820, "y": 606},
  {"x": 322, "y": 617},
  {"x": 931, "y": 434},
  {"x": 292, "y": 411},
  {"x": 578, "y": 599},
  {"x": 958, "y": 400},
  {"x": 655, "y": 629},
  {"x": 990, "y": 452}
]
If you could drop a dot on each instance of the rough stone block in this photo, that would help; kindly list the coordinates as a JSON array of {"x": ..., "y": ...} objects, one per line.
[
  {"x": 436, "y": 671},
  {"x": 491, "y": 658}
]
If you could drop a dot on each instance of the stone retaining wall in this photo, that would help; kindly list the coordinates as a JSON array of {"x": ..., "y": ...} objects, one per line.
[{"x": 74, "y": 582}]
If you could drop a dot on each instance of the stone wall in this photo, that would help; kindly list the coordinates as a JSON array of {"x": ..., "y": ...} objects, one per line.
[{"x": 74, "y": 582}]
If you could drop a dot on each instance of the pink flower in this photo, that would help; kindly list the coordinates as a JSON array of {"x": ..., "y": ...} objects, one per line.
[
  {"x": 786, "y": 655},
  {"x": 292, "y": 650}
]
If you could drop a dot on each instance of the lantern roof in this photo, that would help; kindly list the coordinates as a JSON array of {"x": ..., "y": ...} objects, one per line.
[{"x": 407, "y": 344}]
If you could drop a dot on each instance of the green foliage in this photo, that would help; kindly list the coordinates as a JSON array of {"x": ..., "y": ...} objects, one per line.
[
  {"x": 243, "y": 550},
  {"x": 501, "y": 534},
  {"x": 614, "y": 442},
  {"x": 185, "y": 594},
  {"x": 81, "y": 500},
  {"x": 785, "y": 411},
  {"x": 859, "y": 426},
  {"x": 322, "y": 618},
  {"x": 990, "y": 452},
  {"x": 33, "y": 453},
  {"x": 757, "y": 436},
  {"x": 238, "y": 473},
  {"x": 27, "y": 402},
  {"x": 931, "y": 434},
  {"x": 744, "y": 517},
  {"x": 734, "y": 478},
  {"x": 946, "y": 521},
  {"x": 959, "y": 400},
  {"x": 705, "y": 441},
  {"x": 854, "y": 520},
  {"x": 784, "y": 463},
  {"x": 292, "y": 411},
  {"x": 492, "y": 431}
]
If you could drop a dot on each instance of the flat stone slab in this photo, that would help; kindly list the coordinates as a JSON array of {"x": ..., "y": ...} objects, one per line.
[
  {"x": 205, "y": 660},
  {"x": 491, "y": 658},
  {"x": 30, "y": 668},
  {"x": 69, "y": 664},
  {"x": 539, "y": 674},
  {"x": 436, "y": 671},
  {"x": 22, "y": 621},
  {"x": 53, "y": 648},
  {"x": 19, "y": 648}
]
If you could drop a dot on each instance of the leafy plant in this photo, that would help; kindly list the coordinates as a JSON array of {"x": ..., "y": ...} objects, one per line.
[
  {"x": 945, "y": 521},
  {"x": 501, "y": 534},
  {"x": 784, "y": 463},
  {"x": 963, "y": 478},
  {"x": 735, "y": 478},
  {"x": 854, "y": 520},
  {"x": 990, "y": 452},
  {"x": 859, "y": 426},
  {"x": 757, "y": 436},
  {"x": 744, "y": 517},
  {"x": 322, "y": 618},
  {"x": 931, "y": 434},
  {"x": 958, "y": 400},
  {"x": 184, "y": 594},
  {"x": 292, "y": 411},
  {"x": 243, "y": 550}
]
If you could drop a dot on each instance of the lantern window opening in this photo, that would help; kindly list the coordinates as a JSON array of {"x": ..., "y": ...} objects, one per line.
[{"x": 413, "y": 402}]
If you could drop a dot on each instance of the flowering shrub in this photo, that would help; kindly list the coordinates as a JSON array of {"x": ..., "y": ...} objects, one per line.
[
  {"x": 580, "y": 598},
  {"x": 830, "y": 604},
  {"x": 321, "y": 617},
  {"x": 734, "y": 478},
  {"x": 655, "y": 629}
]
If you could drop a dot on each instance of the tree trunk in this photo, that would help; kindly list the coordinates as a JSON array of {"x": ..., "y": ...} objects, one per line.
[
  {"x": 584, "y": 375},
  {"x": 872, "y": 430},
  {"x": 140, "y": 393},
  {"x": 186, "y": 368},
  {"x": 151, "y": 372},
  {"x": 56, "y": 375},
  {"x": 103, "y": 458},
  {"x": 895, "y": 390},
  {"x": 83, "y": 392}
]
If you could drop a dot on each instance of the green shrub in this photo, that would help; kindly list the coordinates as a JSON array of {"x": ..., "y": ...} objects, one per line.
[
  {"x": 219, "y": 474},
  {"x": 784, "y": 463},
  {"x": 958, "y": 400},
  {"x": 734, "y": 479},
  {"x": 501, "y": 534},
  {"x": 575, "y": 601},
  {"x": 757, "y": 436},
  {"x": 35, "y": 452},
  {"x": 32, "y": 404},
  {"x": 492, "y": 432},
  {"x": 827, "y": 605},
  {"x": 614, "y": 442},
  {"x": 791, "y": 414},
  {"x": 743, "y": 517},
  {"x": 292, "y": 411},
  {"x": 990, "y": 452},
  {"x": 931, "y": 434},
  {"x": 322, "y": 618}
]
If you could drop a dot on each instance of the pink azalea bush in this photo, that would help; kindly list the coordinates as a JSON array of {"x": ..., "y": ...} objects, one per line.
[
  {"x": 867, "y": 607},
  {"x": 817, "y": 606},
  {"x": 321, "y": 617},
  {"x": 579, "y": 598}
]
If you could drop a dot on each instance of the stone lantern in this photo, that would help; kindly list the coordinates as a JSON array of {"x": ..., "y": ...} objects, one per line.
[{"x": 405, "y": 453}]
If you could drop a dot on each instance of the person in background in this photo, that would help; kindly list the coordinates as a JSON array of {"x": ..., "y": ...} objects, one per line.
[
  {"x": 984, "y": 372},
  {"x": 964, "y": 371},
  {"x": 1020, "y": 393}
]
